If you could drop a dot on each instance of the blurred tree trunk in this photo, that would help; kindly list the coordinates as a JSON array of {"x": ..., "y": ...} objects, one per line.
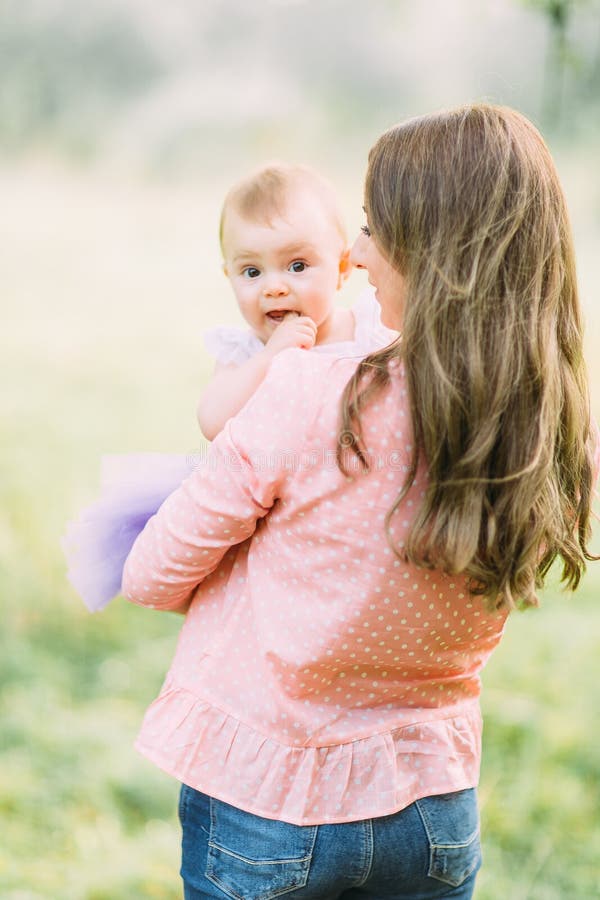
[
  {"x": 557, "y": 58},
  {"x": 558, "y": 15}
]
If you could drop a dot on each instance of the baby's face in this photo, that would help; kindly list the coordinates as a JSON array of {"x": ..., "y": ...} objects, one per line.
[{"x": 294, "y": 263}]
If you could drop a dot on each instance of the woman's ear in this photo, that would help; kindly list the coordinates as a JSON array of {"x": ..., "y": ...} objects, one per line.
[{"x": 345, "y": 267}]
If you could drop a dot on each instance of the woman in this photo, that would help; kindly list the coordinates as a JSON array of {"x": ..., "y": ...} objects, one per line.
[{"x": 348, "y": 556}]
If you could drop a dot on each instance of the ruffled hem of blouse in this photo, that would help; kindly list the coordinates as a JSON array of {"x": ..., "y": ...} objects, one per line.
[{"x": 215, "y": 753}]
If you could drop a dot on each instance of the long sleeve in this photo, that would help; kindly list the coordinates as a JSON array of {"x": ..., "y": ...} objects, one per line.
[{"x": 221, "y": 502}]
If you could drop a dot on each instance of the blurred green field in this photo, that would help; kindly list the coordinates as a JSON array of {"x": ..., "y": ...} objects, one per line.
[{"x": 107, "y": 287}]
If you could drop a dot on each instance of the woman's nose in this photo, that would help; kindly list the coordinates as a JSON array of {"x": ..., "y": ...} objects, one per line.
[{"x": 357, "y": 253}]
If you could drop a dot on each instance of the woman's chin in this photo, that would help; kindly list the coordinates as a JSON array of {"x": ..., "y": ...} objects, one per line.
[{"x": 390, "y": 318}]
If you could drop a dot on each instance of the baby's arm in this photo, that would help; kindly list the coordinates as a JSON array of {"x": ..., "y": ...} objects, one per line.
[
  {"x": 228, "y": 390},
  {"x": 232, "y": 386}
]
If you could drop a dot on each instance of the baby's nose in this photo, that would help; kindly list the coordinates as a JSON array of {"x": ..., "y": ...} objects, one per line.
[{"x": 275, "y": 287}]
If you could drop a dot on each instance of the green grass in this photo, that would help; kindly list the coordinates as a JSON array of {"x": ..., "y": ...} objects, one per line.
[
  {"x": 540, "y": 788},
  {"x": 105, "y": 355}
]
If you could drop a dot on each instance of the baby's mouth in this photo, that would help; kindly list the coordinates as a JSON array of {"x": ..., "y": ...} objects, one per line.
[{"x": 278, "y": 315}]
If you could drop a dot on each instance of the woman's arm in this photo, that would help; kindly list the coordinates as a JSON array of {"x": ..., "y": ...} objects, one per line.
[
  {"x": 220, "y": 503},
  {"x": 216, "y": 507}
]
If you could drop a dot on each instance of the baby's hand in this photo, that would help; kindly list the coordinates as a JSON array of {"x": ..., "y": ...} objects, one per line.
[{"x": 294, "y": 331}]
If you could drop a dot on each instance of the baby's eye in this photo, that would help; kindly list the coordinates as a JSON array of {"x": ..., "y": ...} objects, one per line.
[
  {"x": 251, "y": 272},
  {"x": 366, "y": 230},
  {"x": 297, "y": 266}
]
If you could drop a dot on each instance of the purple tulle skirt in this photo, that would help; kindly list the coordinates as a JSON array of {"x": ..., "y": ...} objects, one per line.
[{"x": 96, "y": 545}]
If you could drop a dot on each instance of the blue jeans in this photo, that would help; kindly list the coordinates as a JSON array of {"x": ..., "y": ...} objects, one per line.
[{"x": 430, "y": 849}]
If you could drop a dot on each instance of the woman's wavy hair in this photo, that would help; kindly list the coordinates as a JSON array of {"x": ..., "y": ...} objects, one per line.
[{"x": 467, "y": 205}]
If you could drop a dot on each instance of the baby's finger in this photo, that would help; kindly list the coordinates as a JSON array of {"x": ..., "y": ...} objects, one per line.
[
  {"x": 307, "y": 322},
  {"x": 305, "y": 336}
]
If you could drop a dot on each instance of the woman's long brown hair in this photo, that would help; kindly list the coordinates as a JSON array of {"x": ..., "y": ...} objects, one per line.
[{"x": 467, "y": 205}]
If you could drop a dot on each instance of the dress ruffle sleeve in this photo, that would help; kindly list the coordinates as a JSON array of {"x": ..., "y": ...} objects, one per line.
[{"x": 231, "y": 346}]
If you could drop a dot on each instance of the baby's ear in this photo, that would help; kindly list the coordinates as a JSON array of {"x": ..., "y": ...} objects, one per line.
[
  {"x": 345, "y": 267},
  {"x": 225, "y": 270}
]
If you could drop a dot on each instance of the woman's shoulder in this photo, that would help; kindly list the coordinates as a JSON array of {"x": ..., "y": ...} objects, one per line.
[
  {"x": 320, "y": 372},
  {"x": 309, "y": 387},
  {"x": 296, "y": 366},
  {"x": 302, "y": 386}
]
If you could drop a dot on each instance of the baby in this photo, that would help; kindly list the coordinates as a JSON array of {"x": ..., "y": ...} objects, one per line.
[{"x": 285, "y": 254}]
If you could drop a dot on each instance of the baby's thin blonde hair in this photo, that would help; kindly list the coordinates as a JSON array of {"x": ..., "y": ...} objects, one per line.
[
  {"x": 467, "y": 205},
  {"x": 262, "y": 196}
]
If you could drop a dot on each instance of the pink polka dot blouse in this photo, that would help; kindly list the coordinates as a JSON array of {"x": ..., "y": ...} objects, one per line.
[{"x": 317, "y": 677}]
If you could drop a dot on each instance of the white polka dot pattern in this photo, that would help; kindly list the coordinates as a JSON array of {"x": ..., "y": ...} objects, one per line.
[{"x": 318, "y": 678}]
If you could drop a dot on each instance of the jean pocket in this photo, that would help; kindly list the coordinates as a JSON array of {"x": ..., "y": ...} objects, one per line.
[
  {"x": 251, "y": 858},
  {"x": 452, "y": 825}
]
